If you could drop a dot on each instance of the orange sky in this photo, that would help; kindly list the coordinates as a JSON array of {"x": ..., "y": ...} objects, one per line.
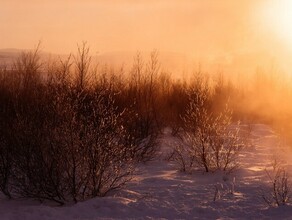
[{"x": 218, "y": 31}]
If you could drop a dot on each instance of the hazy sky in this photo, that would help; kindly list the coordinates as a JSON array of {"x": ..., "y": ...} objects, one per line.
[{"x": 203, "y": 29}]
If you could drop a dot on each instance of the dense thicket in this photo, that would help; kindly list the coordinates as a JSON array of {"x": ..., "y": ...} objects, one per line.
[{"x": 69, "y": 131}]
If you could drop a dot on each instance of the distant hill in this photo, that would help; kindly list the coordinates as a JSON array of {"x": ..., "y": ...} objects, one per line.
[
  {"x": 7, "y": 56},
  {"x": 178, "y": 64},
  {"x": 169, "y": 61}
]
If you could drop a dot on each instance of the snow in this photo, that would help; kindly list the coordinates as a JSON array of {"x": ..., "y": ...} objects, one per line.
[{"x": 159, "y": 191}]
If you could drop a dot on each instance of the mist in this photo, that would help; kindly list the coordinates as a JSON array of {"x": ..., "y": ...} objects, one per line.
[
  {"x": 221, "y": 36},
  {"x": 173, "y": 109},
  {"x": 227, "y": 37}
]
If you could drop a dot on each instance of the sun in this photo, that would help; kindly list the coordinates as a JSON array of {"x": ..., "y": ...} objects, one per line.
[{"x": 277, "y": 15}]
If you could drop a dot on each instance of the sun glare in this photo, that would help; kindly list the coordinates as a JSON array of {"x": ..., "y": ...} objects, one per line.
[{"x": 277, "y": 15}]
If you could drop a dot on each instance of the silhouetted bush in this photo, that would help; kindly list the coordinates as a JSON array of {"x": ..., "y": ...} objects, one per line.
[
  {"x": 70, "y": 131},
  {"x": 64, "y": 141},
  {"x": 279, "y": 192},
  {"x": 209, "y": 141}
]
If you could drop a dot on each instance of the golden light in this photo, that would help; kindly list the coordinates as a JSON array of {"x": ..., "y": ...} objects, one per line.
[{"x": 277, "y": 16}]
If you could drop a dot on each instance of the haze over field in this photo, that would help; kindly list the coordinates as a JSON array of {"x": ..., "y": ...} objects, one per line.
[
  {"x": 228, "y": 36},
  {"x": 145, "y": 109}
]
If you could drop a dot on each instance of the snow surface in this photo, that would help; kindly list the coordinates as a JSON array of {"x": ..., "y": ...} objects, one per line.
[{"x": 159, "y": 191}]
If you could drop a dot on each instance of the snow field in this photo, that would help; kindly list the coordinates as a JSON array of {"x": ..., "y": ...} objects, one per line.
[{"x": 159, "y": 191}]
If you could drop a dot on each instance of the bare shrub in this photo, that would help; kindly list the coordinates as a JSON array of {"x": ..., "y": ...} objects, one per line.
[
  {"x": 35, "y": 171},
  {"x": 280, "y": 190},
  {"x": 176, "y": 104},
  {"x": 6, "y": 113},
  {"x": 27, "y": 67},
  {"x": 144, "y": 146},
  {"x": 141, "y": 119},
  {"x": 64, "y": 141},
  {"x": 181, "y": 155},
  {"x": 211, "y": 142},
  {"x": 82, "y": 64},
  {"x": 95, "y": 141},
  {"x": 78, "y": 150},
  {"x": 5, "y": 166}
]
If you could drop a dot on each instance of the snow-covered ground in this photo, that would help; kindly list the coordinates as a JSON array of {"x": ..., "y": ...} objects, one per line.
[{"x": 159, "y": 191}]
